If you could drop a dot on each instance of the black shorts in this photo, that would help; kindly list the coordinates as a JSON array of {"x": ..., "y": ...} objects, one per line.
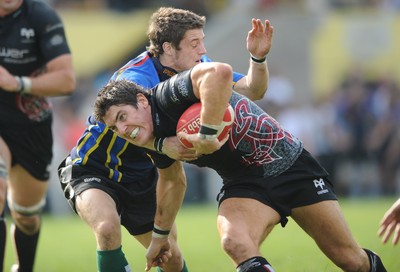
[
  {"x": 136, "y": 208},
  {"x": 31, "y": 147},
  {"x": 305, "y": 182}
]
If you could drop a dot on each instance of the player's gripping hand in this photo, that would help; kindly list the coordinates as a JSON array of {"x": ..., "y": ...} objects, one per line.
[
  {"x": 158, "y": 253},
  {"x": 175, "y": 150},
  {"x": 203, "y": 146}
]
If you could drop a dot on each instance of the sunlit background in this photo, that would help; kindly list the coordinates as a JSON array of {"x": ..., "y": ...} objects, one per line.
[{"x": 334, "y": 76}]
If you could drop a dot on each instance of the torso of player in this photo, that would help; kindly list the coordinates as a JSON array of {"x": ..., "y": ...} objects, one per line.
[
  {"x": 22, "y": 54},
  {"x": 257, "y": 145}
]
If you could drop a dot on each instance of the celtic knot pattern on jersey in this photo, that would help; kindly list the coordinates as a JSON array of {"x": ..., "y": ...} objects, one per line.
[{"x": 256, "y": 134}]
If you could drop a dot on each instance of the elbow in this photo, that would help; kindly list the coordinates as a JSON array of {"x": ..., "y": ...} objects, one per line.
[
  {"x": 260, "y": 91},
  {"x": 260, "y": 95},
  {"x": 255, "y": 95},
  {"x": 223, "y": 71},
  {"x": 69, "y": 85}
]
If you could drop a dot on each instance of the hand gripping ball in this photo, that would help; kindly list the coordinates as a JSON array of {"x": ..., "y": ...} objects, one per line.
[{"x": 189, "y": 122}]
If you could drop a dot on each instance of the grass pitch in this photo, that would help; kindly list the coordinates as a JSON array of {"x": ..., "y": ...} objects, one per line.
[{"x": 67, "y": 244}]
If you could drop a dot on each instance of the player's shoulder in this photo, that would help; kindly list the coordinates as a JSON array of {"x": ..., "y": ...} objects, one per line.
[
  {"x": 39, "y": 8},
  {"x": 41, "y": 13},
  {"x": 141, "y": 61},
  {"x": 140, "y": 70}
]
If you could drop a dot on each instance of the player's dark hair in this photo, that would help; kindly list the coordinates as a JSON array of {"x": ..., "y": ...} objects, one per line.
[
  {"x": 170, "y": 25},
  {"x": 116, "y": 93}
]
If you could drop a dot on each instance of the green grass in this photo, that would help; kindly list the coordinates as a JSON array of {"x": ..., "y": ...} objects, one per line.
[{"x": 68, "y": 245}]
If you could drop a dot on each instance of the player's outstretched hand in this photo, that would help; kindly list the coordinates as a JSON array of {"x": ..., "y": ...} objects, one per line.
[
  {"x": 259, "y": 38},
  {"x": 390, "y": 224},
  {"x": 158, "y": 253},
  {"x": 173, "y": 148}
]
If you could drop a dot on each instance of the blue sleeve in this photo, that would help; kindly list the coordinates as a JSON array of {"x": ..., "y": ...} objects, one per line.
[
  {"x": 140, "y": 77},
  {"x": 140, "y": 70}
]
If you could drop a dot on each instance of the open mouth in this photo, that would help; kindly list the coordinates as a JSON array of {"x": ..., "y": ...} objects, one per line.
[{"x": 134, "y": 133}]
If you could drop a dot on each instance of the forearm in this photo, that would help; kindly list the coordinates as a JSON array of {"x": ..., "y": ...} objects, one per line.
[
  {"x": 171, "y": 189},
  {"x": 254, "y": 85}
]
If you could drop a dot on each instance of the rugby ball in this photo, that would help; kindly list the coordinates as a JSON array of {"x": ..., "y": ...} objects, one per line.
[{"x": 189, "y": 122}]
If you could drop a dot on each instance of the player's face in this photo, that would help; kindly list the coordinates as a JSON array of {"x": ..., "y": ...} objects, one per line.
[
  {"x": 191, "y": 50},
  {"x": 8, "y": 6},
  {"x": 134, "y": 125}
]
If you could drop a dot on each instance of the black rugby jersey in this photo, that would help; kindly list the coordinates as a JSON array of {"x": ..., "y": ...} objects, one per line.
[
  {"x": 257, "y": 147},
  {"x": 29, "y": 38}
]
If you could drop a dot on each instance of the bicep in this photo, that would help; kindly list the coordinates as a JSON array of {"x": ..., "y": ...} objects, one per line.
[{"x": 63, "y": 62}]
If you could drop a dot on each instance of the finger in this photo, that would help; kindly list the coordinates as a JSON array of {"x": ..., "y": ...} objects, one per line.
[
  {"x": 385, "y": 237},
  {"x": 396, "y": 235},
  {"x": 269, "y": 28},
  {"x": 381, "y": 231},
  {"x": 260, "y": 26},
  {"x": 164, "y": 259},
  {"x": 150, "y": 264},
  {"x": 388, "y": 232},
  {"x": 253, "y": 23}
]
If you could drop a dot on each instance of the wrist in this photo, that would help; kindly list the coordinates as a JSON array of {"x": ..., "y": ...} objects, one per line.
[
  {"x": 208, "y": 132},
  {"x": 159, "y": 143},
  {"x": 160, "y": 232},
  {"x": 24, "y": 84},
  {"x": 258, "y": 60}
]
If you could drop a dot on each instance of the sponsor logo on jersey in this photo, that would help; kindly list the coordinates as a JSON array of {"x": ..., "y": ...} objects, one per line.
[
  {"x": 92, "y": 179},
  {"x": 319, "y": 183},
  {"x": 12, "y": 53},
  {"x": 56, "y": 40},
  {"x": 53, "y": 27},
  {"x": 182, "y": 88},
  {"x": 174, "y": 97}
]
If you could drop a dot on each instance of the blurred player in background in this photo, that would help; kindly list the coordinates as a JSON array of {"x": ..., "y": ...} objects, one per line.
[
  {"x": 103, "y": 180},
  {"x": 35, "y": 62}
]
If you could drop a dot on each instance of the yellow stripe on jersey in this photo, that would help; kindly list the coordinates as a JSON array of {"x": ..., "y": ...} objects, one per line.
[
  {"x": 119, "y": 159},
  {"x": 85, "y": 159}
]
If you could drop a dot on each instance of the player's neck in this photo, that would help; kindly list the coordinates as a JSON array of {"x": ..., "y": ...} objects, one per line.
[{"x": 166, "y": 62}]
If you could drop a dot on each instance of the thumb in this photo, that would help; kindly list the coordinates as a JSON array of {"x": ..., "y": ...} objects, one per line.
[{"x": 147, "y": 267}]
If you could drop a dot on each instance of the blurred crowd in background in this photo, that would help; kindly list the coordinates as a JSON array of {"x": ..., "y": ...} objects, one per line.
[{"x": 354, "y": 129}]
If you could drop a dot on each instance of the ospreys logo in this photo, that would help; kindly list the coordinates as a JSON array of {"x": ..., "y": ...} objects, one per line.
[
  {"x": 319, "y": 183},
  {"x": 27, "y": 33}
]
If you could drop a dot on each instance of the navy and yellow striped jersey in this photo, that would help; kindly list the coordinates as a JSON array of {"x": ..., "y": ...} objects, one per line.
[{"x": 101, "y": 150}]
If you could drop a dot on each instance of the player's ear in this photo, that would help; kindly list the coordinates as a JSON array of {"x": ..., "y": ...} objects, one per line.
[
  {"x": 167, "y": 48},
  {"x": 142, "y": 100}
]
